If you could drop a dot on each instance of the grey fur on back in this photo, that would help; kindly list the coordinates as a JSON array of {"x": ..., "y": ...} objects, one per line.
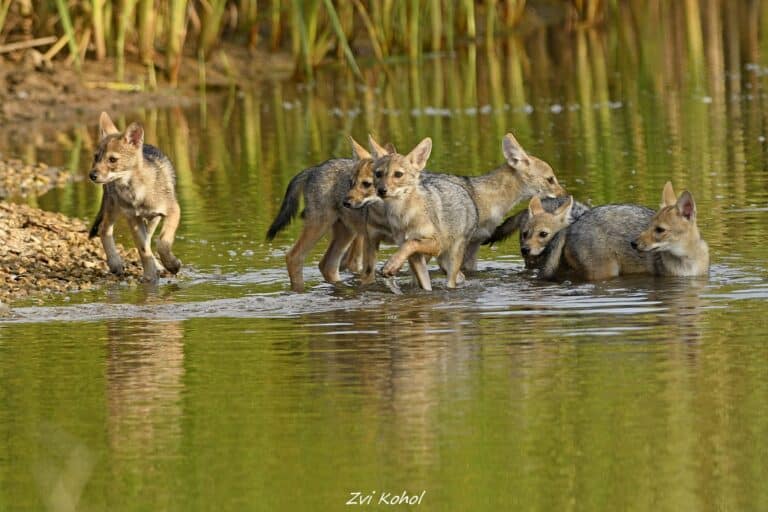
[
  {"x": 450, "y": 206},
  {"x": 601, "y": 232}
]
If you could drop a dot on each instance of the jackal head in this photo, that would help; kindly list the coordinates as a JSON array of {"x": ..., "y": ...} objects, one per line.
[
  {"x": 541, "y": 226},
  {"x": 363, "y": 189},
  {"x": 118, "y": 154},
  {"x": 395, "y": 175},
  {"x": 673, "y": 227},
  {"x": 536, "y": 175}
]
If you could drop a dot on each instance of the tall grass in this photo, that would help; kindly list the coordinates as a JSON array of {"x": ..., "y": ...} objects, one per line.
[{"x": 161, "y": 33}]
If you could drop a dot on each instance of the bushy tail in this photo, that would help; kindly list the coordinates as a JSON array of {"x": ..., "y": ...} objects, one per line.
[
  {"x": 97, "y": 222},
  {"x": 508, "y": 228},
  {"x": 290, "y": 204}
]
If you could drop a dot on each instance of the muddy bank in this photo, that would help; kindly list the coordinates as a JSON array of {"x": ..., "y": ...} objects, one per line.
[
  {"x": 35, "y": 93},
  {"x": 44, "y": 253}
]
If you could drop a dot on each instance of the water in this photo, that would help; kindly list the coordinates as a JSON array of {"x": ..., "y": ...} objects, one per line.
[{"x": 222, "y": 390}]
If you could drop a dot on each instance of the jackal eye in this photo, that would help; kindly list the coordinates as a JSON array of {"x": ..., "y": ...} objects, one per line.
[
  {"x": 398, "y": 174},
  {"x": 543, "y": 234},
  {"x": 525, "y": 234},
  {"x": 379, "y": 174},
  {"x": 551, "y": 180},
  {"x": 113, "y": 159},
  {"x": 367, "y": 184},
  {"x": 659, "y": 230}
]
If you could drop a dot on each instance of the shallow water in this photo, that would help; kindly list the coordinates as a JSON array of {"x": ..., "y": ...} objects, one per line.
[{"x": 223, "y": 390}]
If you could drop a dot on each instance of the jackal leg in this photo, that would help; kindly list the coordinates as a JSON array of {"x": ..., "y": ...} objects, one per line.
[
  {"x": 427, "y": 247},
  {"x": 370, "y": 249},
  {"x": 165, "y": 243},
  {"x": 470, "y": 257},
  {"x": 329, "y": 265},
  {"x": 453, "y": 266},
  {"x": 312, "y": 232},
  {"x": 353, "y": 258},
  {"x": 140, "y": 238},
  {"x": 151, "y": 227},
  {"x": 420, "y": 272},
  {"x": 107, "y": 235}
]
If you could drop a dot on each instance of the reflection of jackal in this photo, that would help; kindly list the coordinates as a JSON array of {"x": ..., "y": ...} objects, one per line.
[
  {"x": 428, "y": 215},
  {"x": 672, "y": 237},
  {"x": 138, "y": 182}
]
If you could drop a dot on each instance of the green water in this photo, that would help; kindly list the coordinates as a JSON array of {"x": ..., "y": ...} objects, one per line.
[{"x": 221, "y": 390}]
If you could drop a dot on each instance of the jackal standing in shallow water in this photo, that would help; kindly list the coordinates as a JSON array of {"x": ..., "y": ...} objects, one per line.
[{"x": 138, "y": 182}]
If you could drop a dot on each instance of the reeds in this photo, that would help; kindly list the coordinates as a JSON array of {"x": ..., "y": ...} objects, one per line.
[{"x": 312, "y": 31}]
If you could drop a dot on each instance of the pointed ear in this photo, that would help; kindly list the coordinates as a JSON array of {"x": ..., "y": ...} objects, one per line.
[
  {"x": 390, "y": 148},
  {"x": 686, "y": 206},
  {"x": 668, "y": 197},
  {"x": 376, "y": 150},
  {"x": 358, "y": 151},
  {"x": 535, "y": 207},
  {"x": 420, "y": 154},
  {"x": 134, "y": 135},
  {"x": 514, "y": 152},
  {"x": 106, "y": 126},
  {"x": 565, "y": 209}
]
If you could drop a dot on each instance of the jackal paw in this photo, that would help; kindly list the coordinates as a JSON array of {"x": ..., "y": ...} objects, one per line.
[
  {"x": 116, "y": 266},
  {"x": 149, "y": 278},
  {"x": 172, "y": 265},
  {"x": 392, "y": 267}
]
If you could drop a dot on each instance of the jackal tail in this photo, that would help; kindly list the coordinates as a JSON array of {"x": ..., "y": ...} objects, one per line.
[
  {"x": 290, "y": 204},
  {"x": 94, "y": 232},
  {"x": 508, "y": 228}
]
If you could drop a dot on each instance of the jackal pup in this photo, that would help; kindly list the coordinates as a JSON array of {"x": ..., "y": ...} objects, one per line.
[
  {"x": 672, "y": 237},
  {"x": 496, "y": 192},
  {"x": 428, "y": 215},
  {"x": 594, "y": 247},
  {"x": 534, "y": 245},
  {"x": 363, "y": 197},
  {"x": 324, "y": 188},
  {"x": 138, "y": 182}
]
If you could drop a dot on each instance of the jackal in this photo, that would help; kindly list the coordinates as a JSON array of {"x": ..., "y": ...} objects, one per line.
[
  {"x": 495, "y": 193},
  {"x": 596, "y": 246},
  {"x": 673, "y": 238},
  {"x": 138, "y": 182},
  {"x": 428, "y": 215},
  {"x": 563, "y": 209}
]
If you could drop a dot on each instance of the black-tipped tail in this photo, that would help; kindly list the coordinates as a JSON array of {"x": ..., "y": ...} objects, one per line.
[
  {"x": 508, "y": 228},
  {"x": 290, "y": 205},
  {"x": 94, "y": 232}
]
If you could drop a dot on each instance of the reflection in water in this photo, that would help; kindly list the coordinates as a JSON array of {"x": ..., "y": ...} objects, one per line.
[
  {"x": 225, "y": 390},
  {"x": 144, "y": 384}
]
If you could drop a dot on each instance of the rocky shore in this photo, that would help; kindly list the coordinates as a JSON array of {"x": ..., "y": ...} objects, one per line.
[
  {"x": 18, "y": 179},
  {"x": 44, "y": 253}
]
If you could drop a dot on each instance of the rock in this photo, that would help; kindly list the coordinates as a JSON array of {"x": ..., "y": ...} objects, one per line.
[{"x": 43, "y": 252}]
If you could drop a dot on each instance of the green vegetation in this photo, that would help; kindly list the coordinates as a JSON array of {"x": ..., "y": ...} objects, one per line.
[{"x": 160, "y": 33}]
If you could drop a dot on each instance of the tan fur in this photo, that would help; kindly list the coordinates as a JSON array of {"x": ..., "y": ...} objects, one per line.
[
  {"x": 674, "y": 238},
  {"x": 542, "y": 226},
  {"x": 138, "y": 182},
  {"x": 361, "y": 195},
  {"x": 428, "y": 217}
]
